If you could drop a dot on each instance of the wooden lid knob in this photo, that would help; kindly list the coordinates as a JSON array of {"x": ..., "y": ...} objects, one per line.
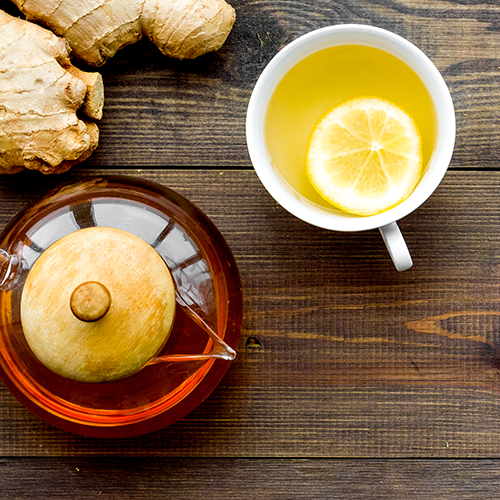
[{"x": 90, "y": 301}]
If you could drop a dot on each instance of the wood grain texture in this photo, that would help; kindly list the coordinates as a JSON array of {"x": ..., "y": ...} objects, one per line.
[
  {"x": 162, "y": 112},
  {"x": 340, "y": 355},
  {"x": 248, "y": 479}
]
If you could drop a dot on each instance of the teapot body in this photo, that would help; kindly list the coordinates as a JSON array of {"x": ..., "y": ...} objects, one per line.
[{"x": 209, "y": 307}]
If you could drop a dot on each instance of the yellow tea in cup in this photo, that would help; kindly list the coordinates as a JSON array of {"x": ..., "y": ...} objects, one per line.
[{"x": 324, "y": 80}]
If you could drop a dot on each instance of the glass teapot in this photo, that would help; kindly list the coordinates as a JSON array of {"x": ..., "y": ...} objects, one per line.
[{"x": 181, "y": 356}]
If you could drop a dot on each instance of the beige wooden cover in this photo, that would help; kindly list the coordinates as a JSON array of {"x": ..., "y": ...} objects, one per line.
[{"x": 97, "y": 305}]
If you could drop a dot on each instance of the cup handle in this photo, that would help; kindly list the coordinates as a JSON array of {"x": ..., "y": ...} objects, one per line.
[{"x": 396, "y": 245}]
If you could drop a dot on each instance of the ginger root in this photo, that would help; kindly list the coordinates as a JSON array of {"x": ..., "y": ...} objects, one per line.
[
  {"x": 96, "y": 29},
  {"x": 40, "y": 93}
]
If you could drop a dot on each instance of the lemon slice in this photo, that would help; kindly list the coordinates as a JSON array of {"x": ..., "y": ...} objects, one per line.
[{"x": 364, "y": 156}]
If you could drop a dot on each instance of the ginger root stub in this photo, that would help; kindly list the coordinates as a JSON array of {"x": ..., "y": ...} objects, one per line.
[
  {"x": 40, "y": 94},
  {"x": 96, "y": 29}
]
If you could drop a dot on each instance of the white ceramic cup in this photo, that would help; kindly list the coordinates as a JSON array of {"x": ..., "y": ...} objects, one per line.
[{"x": 301, "y": 207}]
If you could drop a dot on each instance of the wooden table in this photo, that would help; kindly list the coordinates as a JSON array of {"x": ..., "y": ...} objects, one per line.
[{"x": 343, "y": 362}]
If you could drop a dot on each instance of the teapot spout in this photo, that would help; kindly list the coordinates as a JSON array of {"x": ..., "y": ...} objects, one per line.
[
  {"x": 193, "y": 357},
  {"x": 219, "y": 350},
  {"x": 9, "y": 268}
]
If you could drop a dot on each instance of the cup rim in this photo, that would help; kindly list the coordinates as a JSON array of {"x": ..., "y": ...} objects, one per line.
[{"x": 281, "y": 63}]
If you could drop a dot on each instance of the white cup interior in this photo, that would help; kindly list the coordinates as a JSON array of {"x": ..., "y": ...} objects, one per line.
[{"x": 321, "y": 39}]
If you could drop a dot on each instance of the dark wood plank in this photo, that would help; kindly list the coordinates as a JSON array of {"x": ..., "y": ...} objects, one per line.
[
  {"x": 340, "y": 355},
  {"x": 162, "y": 112},
  {"x": 139, "y": 479}
]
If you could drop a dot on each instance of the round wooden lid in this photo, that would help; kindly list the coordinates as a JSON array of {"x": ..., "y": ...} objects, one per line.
[{"x": 97, "y": 305}]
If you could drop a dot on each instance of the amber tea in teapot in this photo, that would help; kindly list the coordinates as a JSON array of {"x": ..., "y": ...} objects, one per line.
[{"x": 154, "y": 267}]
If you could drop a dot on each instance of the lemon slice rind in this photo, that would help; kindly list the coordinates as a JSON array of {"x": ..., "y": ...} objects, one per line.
[{"x": 364, "y": 156}]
